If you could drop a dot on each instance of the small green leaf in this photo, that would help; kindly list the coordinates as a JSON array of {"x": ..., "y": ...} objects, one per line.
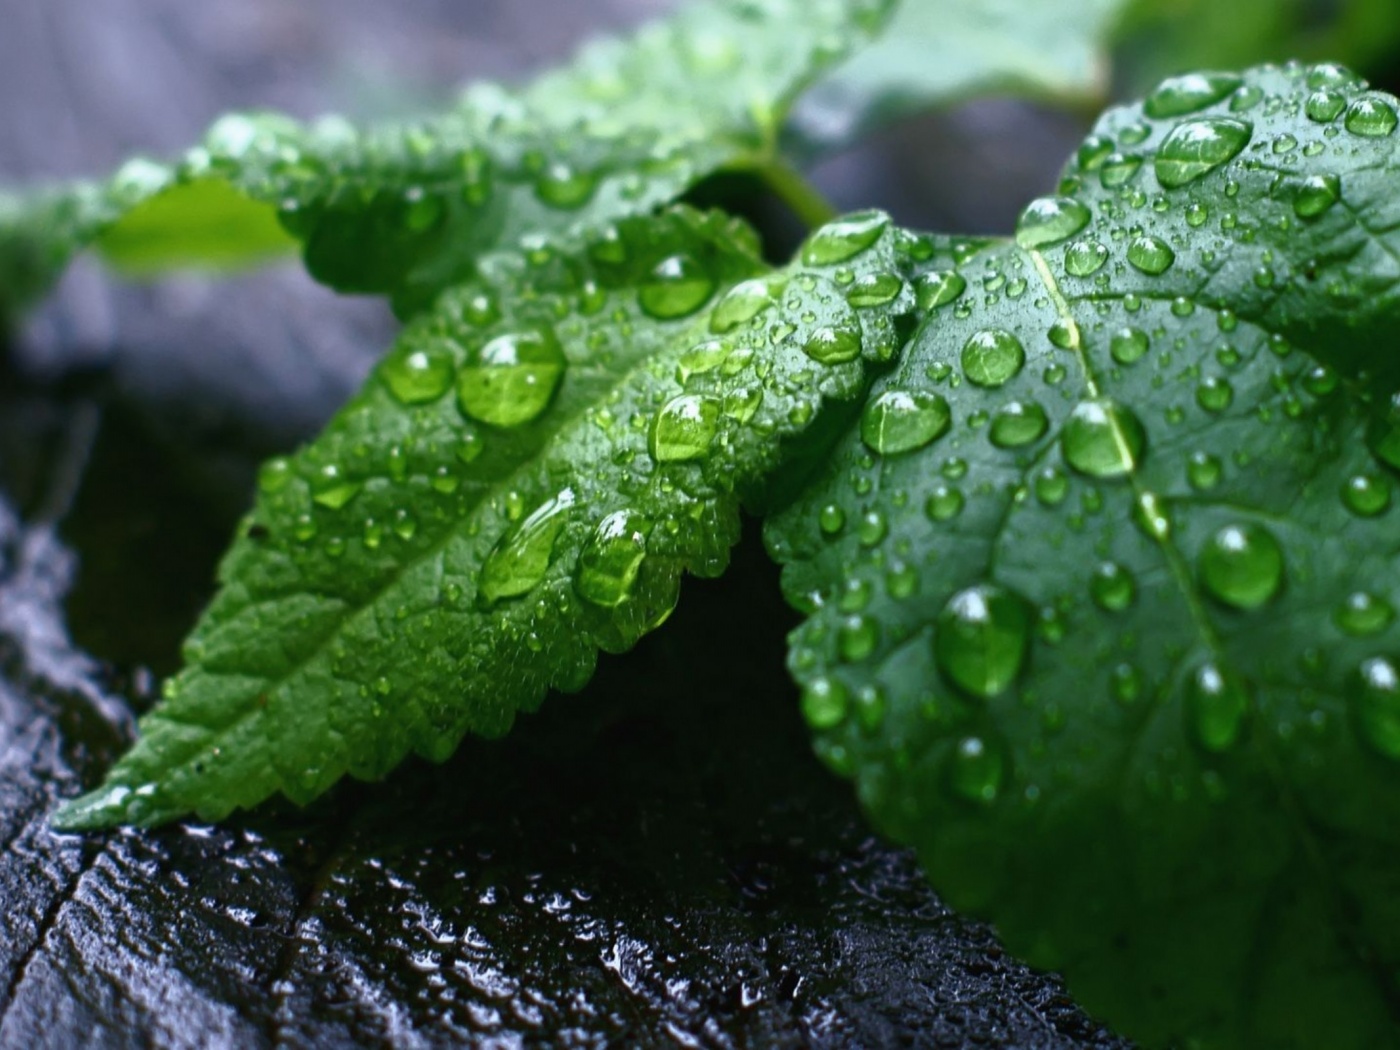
[
  {"x": 935, "y": 54},
  {"x": 520, "y": 484},
  {"x": 406, "y": 208},
  {"x": 1116, "y": 646}
]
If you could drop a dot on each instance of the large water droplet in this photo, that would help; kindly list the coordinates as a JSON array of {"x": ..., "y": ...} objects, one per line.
[
  {"x": 981, "y": 639},
  {"x": 1128, "y": 345},
  {"x": 1083, "y": 258},
  {"x": 684, "y": 428},
  {"x": 844, "y": 238},
  {"x": 1103, "y": 439},
  {"x": 1197, "y": 147},
  {"x": 742, "y": 304},
  {"x": 977, "y": 770},
  {"x": 1315, "y": 195},
  {"x": 857, "y": 638},
  {"x": 511, "y": 379},
  {"x": 992, "y": 356},
  {"x": 873, "y": 289},
  {"x": 1370, "y": 117},
  {"x": 418, "y": 375},
  {"x": 677, "y": 287},
  {"x": 520, "y": 558},
  {"x": 1048, "y": 221},
  {"x": 1378, "y": 706},
  {"x": 1017, "y": 424},
  {"x": 611, "y": 558},
  {"x": 1242, "y": 565},
  {"x": 1151, "y": 255},
  {"x": 825, "y": 703},
  {"x": 1366, "y": 495},
  {"x": 1362, "y": 613},
  {"x": 332, "y": 489},
  {"x": 901, "y": 421},
  {"x": 938, "y": 288},
  {"x": 1217, "y": 703},
  {"x": 1177, "y": 96},
  {"x": 833, "y": 345}
]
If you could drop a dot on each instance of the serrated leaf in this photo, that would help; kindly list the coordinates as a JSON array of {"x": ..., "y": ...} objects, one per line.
[
  {"x": 1114, "y": 644},
  {"x": 521, "y": 483},
  {"x": 938, "y": 52},
  {"x": 406, "y": 208}
]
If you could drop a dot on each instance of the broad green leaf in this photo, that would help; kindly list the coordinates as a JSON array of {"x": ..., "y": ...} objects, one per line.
[
  {"x": 1103, "y": 586},
  {"x": 405, "y": 208},
  {"x": 938, "y": 52},
  {"x": 521, "y": 483}
]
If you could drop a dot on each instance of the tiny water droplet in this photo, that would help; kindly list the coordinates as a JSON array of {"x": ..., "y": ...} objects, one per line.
[
  {"x": 511, "y": 379},
  {"x": 1242, "y": 565},
  {"x": 684, "y": 428},
  {"x": 831, "y": 519},
  {"x": 981, "y": 639},
  {"x": 1203, "y": 471},
  {"x": 872, "y": 528},
  {"x": 857, "y": 638},
  {"x": 901, "y": 421},
  {"x": 1215, "y": 394},
  {"x": 992, "y": 356},
  {"x": 944, "y": 503},
  {"x": 1197, "y": 147},
  {"x": 1103, "y": 439}
]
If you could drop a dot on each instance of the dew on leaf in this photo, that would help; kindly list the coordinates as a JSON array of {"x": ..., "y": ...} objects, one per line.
[
  {"x": 1215, "y": 394},
  {"x": 1363, "y": 613},
  {"x": 992, "y": 356},
  {"x": 1125, "y": 683},
  {"x": 976, "y": 770},
  {"x": 1084, "y": 258},
  {"x": 1189, "y": 93},
  {"x": 1331, "y": 75},
  {"x": 1017, "y": 423},
  {"x": 419, "y": 375},
  {"x": 857, "y": 637},
  {"x": 831, "y": 519},
  {"x": 676, "y": 287},
  {"x": 611, "y": 558},
  {"x": 1048, "y": 221},
  {"x": 1203, "y": 471},
  {"x": 1377, "y": 706},
  {"x": 844, "y": 238},
  {"x": 332, "y": 489},
  {"x": 1118, "y": 170},
  {"x": 1324, "y": 106},
  {"x": 511, "y": 379},
  {"x": 944, "y": 503},
  {"x": 901, "y": 421},
  {"x": 833, "y": 345},
  {"x": 873, "y": 289},
  {"x": 1366, "y": 495},
  {"x": 1103, "y": 439},
  {"x": 981, "y": 639},
  {"x": 520, "y": 558},
  {"x": 1128, "y": 345},
  {"x": 1151, "y": 255},
  {"x": 1217, "y": 704},
  {"x": 872, "y": 528},
  {"x": 684, "y": 428},
  {"x": 1370, "y": 117},
  {"x": 1051, "y": 486},
  {"x": 1242, "y": 566},
  {"x": 561, "y": 185},
  {"x": 742, "y": 304},
  {"x": 824, "y": 703},
  {"x": 938, "y": 288},
  {"x": 274, "y": 475},
  {"x": 1112, "y": 587},
  {"x": 1315, "y": 195},
  {"x": 1197, "y": 147}
]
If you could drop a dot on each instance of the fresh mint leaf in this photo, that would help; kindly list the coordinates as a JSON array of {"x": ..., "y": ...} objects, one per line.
[
  {"x": 521, "y": 483},
  {"x": 935, "y": 54},
  {"x": 1102, "y": 589},
  {"x": 406, "y": 208}
]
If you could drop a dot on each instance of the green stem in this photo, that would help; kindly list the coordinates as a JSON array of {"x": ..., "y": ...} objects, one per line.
[{"x": 806, "y": 201}]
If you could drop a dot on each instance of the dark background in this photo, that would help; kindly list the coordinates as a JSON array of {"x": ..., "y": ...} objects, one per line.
[{"x": 656, "y": 860}]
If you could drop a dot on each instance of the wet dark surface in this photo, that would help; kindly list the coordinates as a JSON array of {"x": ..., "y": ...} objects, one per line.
[{"x": 658, "y": 860}]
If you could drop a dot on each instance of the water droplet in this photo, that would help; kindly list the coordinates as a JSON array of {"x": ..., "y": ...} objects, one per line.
[
  {"x": 1178, "y": 96},
  {"x": 561, "y": 185},
  {"x": 1083, "y": 258},
  {"x": 857, "y": 637},
  {"x": 1118, "y": 170},
  {"x": 1217, "y": 703},
  {"x": 1151, "y": 255},
  {"x": 873, "y": 289},
  {"x": 331, "y": 489},
  {"x": 1215, "y": 394},
  {"x": 1362, "y": 613},
  {"x": 944, "y": 503},
  {"x": 833, "y": 345},
  {"x": 1325, "y": 106},
  {"x": 1125, "y": 683},
  {"x": 1128, "y": 345},
  {"x": 1366, "y": 495},
  {"x": 901, "y": 421},
  {"x": 1315, "y": 195},
  {"x": 1103, "y": 439},
  {"x": 1017, "y": 424},
  {"x": 1197, "y": 147},
  {"x": 1242, "y": 565},
  {"x": 831, "y": 519},
  {"x": 1203, "y": 471},
  {"x": 677, "y": 287},
  {"x": 611, "y": 558},
  {"x": 742, "y": 304},
  {"x": 872, "y": 528},
  {"x": 684, "y": 428},
  {"x": 274, "y": 475},
  {"x": 1331, "y": 75},
  {"x": 1112, "y": 587},
  {"x": 992, "y": 356},
  {"x": 1051, "y": 486},
  {"x": 824, "y": 703},
  {"x": 417, "y": 376},
  {"x": 981, "y": 639},
  {"x": 1064, "y": 334},
  {"x": 520, "y": 558},
  {"x": 976, "y": 771},
  {"x": 511, "y": 379},
  {"x": 938, "y": 288},
  {"x": 1370, "y": 117},
  {"x": 1047, "y": 221},
  {"x": 844, "y": 238},
  {"x": 1378, "y": 706},
  {"x": 1092, "y": 152}
]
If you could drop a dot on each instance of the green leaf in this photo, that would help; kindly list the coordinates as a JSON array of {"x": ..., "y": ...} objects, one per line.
[
  {"x": 406, "y": 208},
  {"x": 521, "y": 483},
  {"x": 1102, "y": 590},
  {"x": 937, "y": 52}
]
